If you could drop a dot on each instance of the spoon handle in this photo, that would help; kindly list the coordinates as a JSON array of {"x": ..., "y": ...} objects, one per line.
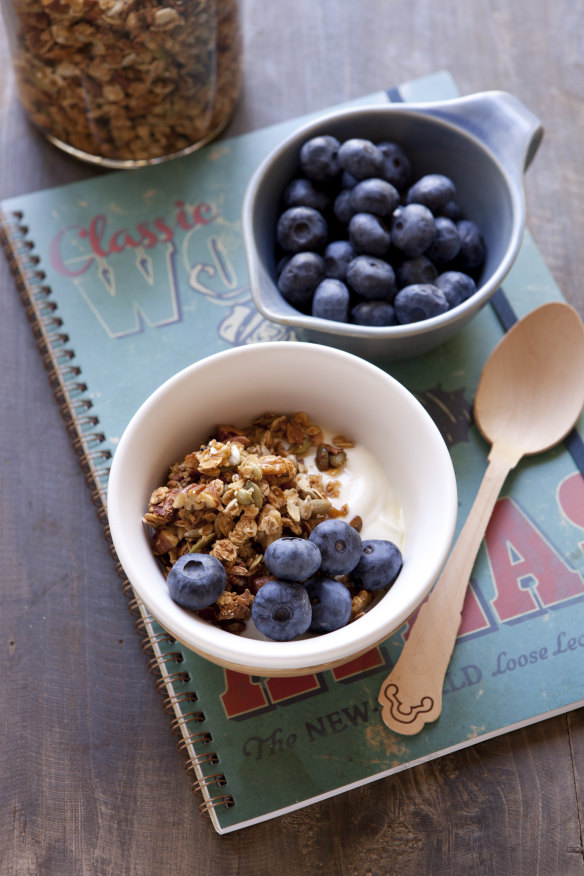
[{"x": 411, "y": 695}]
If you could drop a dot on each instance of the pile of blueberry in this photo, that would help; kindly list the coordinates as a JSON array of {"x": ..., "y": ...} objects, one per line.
[
  {"x": 361, "y": 241},
  {"x": 305, "y": 594}
]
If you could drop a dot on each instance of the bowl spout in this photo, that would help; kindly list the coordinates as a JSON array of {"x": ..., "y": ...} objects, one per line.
[{"x": 501, "y": 121}]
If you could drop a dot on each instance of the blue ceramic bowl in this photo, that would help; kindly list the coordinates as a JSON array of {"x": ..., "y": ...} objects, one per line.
[{"x": 483, "y": 142}]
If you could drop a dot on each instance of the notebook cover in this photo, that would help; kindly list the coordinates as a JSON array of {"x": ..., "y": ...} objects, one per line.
[{"x": 131, "y": 276}]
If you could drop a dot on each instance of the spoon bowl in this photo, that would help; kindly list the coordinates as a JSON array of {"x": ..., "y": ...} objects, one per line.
[
  {"x": 529, "y": 396},
  {"x": 535, "y": 409}
]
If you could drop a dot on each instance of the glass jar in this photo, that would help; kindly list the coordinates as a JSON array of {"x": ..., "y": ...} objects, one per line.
[{"x": 123, "y": 83}]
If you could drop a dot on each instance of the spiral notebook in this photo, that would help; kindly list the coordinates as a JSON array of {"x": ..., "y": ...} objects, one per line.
[{"x": 133, "y": 275}]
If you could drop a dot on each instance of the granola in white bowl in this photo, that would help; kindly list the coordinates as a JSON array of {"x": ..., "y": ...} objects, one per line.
[
  {"x": 246, "y": 487},
  {"x": 351, "y": 397}
]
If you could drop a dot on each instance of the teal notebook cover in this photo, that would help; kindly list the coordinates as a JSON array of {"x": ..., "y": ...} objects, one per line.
[{"x": 134, "y": 275}]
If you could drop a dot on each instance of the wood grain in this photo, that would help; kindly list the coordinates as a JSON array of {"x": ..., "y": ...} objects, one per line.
[
  {"x": 90, "y": 778},
  {"x": 523, "y": 404}
]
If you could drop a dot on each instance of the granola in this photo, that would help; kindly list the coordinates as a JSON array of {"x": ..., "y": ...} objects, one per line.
[
  {"x": 240, "y": 491},
  {"x": 128, "y": 80}
]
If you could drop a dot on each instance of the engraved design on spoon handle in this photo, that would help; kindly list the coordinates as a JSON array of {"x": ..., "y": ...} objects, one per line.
[{"x": 411, "y": 695}]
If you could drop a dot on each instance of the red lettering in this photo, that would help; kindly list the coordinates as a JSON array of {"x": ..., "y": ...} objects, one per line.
[
  {"x": 167, "y": 233},
  {"x": 121, "y": 240},
  {"x": 96, "y": 230},
  {"x": 204, "y": 213},
  {"x": 517, "y": 552},
  {"x": 181, "y": 217},
  {"x": 473, "y": 615},
  {"x": 241, "y": 694},
  {"x": 148, "y": 238},
  {"x": 372, "y": 659},
  {"x": 56, "y": 257},
  {"x": 571, "y": 498},
  {"x": 287, "y": 687}
]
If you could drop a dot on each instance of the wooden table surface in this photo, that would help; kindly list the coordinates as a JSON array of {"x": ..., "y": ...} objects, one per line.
[{"x": 90, "y": 778}]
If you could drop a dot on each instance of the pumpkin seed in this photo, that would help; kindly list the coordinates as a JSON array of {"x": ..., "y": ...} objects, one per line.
[
  {"x": 202, "y": 543},
  {"x": 244, "y": 496},
  {"x": 336, "y": 460},
  {"x": 322, "y": 458},
  {"x": 302, "y": 448},
  {"x": 256, "y": 494}
]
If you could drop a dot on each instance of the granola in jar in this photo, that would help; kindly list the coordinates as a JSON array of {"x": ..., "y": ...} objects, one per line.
[{"x": 127, "y": 82}]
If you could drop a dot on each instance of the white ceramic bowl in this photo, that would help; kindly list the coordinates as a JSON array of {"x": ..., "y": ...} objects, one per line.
[
  {"x": 483, "y": 142},
  {"x": 338, "y": 391}
]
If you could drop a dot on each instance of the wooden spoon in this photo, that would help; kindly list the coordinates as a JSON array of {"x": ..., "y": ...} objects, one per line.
[{"x": 529, "y": 396}]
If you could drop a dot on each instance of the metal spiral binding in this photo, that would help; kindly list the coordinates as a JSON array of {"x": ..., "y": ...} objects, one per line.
[
  {"x": 156, "y": 663},
  {"x": 178, "y": 725},
  {"x": 216, "y": 779},
  {"x": 42, "y": 313},
  {"x": 148, "y": 643},
  {"x": 170, "y": 703},
  {"x": 87, "y": 441},
  {"x": 172, "y": 678},
  {"x": 225, "y": 800},
  {"x": 192, "y": 738}
]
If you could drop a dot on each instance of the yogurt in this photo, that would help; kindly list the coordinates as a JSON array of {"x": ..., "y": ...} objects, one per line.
[{"x": 365, "y": 489}]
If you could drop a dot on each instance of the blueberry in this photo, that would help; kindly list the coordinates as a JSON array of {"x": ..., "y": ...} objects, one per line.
[
  {"x": 292, "y": 559},
  {"x": 375, "y": 196},
  {"x": 299, "y": 278},
  {"x": 337, "y": 256},
  {"x": 281, "y": 610},
  {"x": 339, "y": 545},
  {"x": 412, "y": 229},
  {"x": 446, "y": 243},
  {"x": 369, "y": 234},
  {"x": 434, "y": 190},
  {"x": 373, "y": 313},
  {"x": 331, "y": 604},
  {"x": 331, "y": 300},
  {"x": 348, "y": 180},
  {"x": 356, "y": 199},
  {"x": 319, "y": 158},
  {"x": 371, "y": 277},
  {"x": 397, "y": 168},
  {"x": 300, "y": 229},
  {"x": 361, "y": 158},
  {"x": 196, "y": 580},
  {"x": 342, "y": 207},
  {"x": 302, "y": 192},
  {"x": 418, "y": 270},
  {"x": 282, "y": 264},
  {"x": 457, "y": 286},
  {"x": 380, "y": 564},
  {"x": 419, "y": 301},
  {"x": 451, "y": 210},
  {"x": 472, "y": 246}
]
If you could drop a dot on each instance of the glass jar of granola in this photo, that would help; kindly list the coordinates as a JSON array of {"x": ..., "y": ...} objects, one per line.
[{"x": 124, "y": 83}]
